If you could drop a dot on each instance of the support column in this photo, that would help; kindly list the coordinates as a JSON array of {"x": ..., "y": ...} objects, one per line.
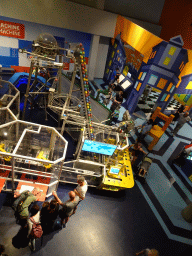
[{"x": 93, "y": 56}]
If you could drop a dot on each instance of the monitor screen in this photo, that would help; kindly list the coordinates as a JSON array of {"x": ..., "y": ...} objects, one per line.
[
  {"x": 190, "y": 156},
  {"x": 121, "y": 77},
  {"x": 126, "y": 84},
  {"x": 99, "y": 147},
  {"x": 114, "y": 170}
]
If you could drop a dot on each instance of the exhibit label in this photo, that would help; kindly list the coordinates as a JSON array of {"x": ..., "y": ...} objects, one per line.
[{"x": 12, "y": 29}]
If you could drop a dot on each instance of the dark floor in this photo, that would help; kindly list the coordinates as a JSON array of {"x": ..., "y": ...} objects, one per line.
[{"x": 105, "y": 224}]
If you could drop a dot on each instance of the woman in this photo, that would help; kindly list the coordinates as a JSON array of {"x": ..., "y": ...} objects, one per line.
[
  {"x": 35, "y": 217},
  {"x": 49, "y": 213}
]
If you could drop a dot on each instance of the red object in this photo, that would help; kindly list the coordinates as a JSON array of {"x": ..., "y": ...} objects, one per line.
[
  {"x": 12, "y": 29},
  {"x": 21, "y": 69},
  {"x": 80, "y": 45},
  {"x": 83, "y": 49},
  {"x": 37, "y": 230},
  {"x": 66, "y": 66}
]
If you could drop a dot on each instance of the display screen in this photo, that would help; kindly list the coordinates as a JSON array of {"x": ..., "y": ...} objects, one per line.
[
  {"x": 121, "y": 77},
  {"x": 190, "y": 156},
  {"x": 99, "y": 147},
  {"x": 126, "y": 84},
  {"x": 114, "y": 170}
]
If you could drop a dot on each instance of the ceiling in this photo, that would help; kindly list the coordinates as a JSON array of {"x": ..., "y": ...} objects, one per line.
[{"x": 144, "y": 10}]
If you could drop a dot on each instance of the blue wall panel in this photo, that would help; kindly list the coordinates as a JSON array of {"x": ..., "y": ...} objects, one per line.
[
  {"x": 9, "y": 61},
  {"x": 5, "y": 51}
]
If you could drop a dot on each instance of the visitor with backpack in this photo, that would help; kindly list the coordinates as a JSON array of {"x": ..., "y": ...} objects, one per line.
[
  {"x": 34, "y": 227},
  {"x": 22, "y": 202}
]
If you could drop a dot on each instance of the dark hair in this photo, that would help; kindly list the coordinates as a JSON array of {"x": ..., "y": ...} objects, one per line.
[
  {"x": 34, "y": 209},
  {"x": 45, "y": 204},
  {"x": 2, "y": 248},
  {"x": 52, "y": 206},
  {"x": 150, "y": 121}
]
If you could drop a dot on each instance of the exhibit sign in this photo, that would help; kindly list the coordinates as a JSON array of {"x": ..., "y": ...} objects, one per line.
[
  {"x": 99, "y": 147},
  {"x": 12, "y": 29}
]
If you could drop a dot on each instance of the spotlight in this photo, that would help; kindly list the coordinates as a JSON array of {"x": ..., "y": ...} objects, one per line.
[{"x": 5, "y": 133}]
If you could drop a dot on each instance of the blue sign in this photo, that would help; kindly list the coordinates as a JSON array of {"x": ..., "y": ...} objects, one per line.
[{"x": 98, "y": 147}]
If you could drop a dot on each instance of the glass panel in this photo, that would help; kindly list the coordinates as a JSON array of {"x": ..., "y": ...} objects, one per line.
[
  {"x": 173, "y": 87},
  {"x": 143, "y": 76},
  {"x": 164, "y": 96},
  {"x": 152, "y": 79},
  {"x": 135, "y": 86}
]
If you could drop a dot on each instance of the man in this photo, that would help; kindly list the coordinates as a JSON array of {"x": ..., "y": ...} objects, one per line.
[
  {"x": 180, "y": 159},
  {"x": 145, "y": 128},
  {"x": 183, "y": 118},
  {"x": 67, "y": 207},
  {"x": 82, "y": 187},
  {"x": 137, "y": 148},
  {"x": 117, "y": 101},
  {"x": 114, "y": 75},
  {"x": 22, "y": 203}
]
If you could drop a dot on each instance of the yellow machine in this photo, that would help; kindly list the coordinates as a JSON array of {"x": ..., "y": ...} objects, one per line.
[
  {"x": 119, "y": 174},
  {"x": 6, "y": 158},
  {"x": 40, "y": 156}
]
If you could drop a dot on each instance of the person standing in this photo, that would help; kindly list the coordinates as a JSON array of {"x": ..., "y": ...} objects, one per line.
[
  {"x": 22, "y": 203},
  {"x": 145, "y": 128},
  {"x": 117, "y": 101},
  {"x": 183, "y": 118},
  {"x": 34, "y": 219},
  {"x": 67, "y": 207},
  {"x": 179, "y": 110},
  {"x": 82, "y": 187}
]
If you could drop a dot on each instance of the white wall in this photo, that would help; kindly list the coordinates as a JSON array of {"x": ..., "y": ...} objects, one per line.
[
  {"x": 101, "y": 57},
  {"x": 61, "y": 13}
]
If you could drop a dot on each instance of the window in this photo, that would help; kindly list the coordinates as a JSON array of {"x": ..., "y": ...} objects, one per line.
[
  {"x": 152, "y": 79},
  {"x": 166, "y": 61},
  {"x": 110, "y": 62},
  {"x": 164, "y": 96},
  {"x": 181, "y": 66},
  {"x": 187, "y": 96},
  {"x": 143, "y": 76},
  {"x": 135, "y": 86},
  {"x": 189, "y": 86},
  {"x": 167, "y": 97},
  {"x": 172, "y": 50},
  {"x": 113, "y": 54},
  {"x": 172, "y": 89},
  {"x": 115, "y": 45},
  {"x": 139, "y": 77},
  {"x": 169, "y": 87},
  {"x": 161, "y": 84},
  {"x": 138, "y": 86},
  {"x": 107, "y": 71}
]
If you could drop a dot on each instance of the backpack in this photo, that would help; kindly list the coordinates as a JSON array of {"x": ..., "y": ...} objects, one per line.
[
  {"x": 37, "y": 230},
  {"x": 19, "y": 201}
]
